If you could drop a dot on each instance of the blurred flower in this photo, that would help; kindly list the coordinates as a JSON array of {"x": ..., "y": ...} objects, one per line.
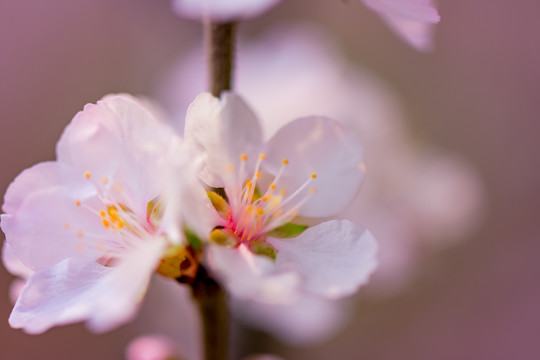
[
  {"x": 415, "y": 199},
  {"x": 222, "y": 11},
  {"x": 89, "y": 227},
  {"x": 311, "y": 168},
  {"x": 412, "y": 20},
  {"x": 151, "y": 347},
  {"x": 263, "y": 357}
]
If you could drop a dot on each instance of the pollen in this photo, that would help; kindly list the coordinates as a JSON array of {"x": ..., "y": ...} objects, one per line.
[
  {"x": 265, "y": 198},
  {"x": 243, "y": 157},
  {"x": 102, "y": 213},
  {"x": 273, "y": 186},
  {"x": 262, "y": 156},
  {"x": 104, "y": 180},
  {"x": 87, "y": 174},
  {"x": 313, "y": 176},
  {"x": 77, "y": 202},
  {"x": 80, "y": 233},
  {"x": 258, "y": 175},
  {"x": 285, "y": 161},
  {"x": 260, "y": 211},
  {"x": 105, "y": 223},
  {"x": 66, "y": 226}
]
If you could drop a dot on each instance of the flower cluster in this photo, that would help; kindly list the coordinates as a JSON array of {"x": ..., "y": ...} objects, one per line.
[{"x": 128, "y": 197}]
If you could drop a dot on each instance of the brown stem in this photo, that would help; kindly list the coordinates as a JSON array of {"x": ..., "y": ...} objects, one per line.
[
  {"x": 212, "y": 303},
  {"x": 220, "y": 42}
]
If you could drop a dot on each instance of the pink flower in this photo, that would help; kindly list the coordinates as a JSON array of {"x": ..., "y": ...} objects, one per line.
[
  {"x": 90, "y": 227},
  {"x": 311, "y": 168},
  {"x": 412, "y": 20},
  {"x": 223, "y": 11}
]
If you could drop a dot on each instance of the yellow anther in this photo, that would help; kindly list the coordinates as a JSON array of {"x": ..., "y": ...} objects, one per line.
[
  {"x": 258, "y": 175},
  {"x": 265, "y": 198},
  {"x": 102, "y": 213},
  {"x": 313, "y": 176},
  {"x": 285, "y": 161},
  {"x": 260, "y": 211},
  {"x": 66, "y": 226},
  {"x": 248, "y": 184},
  {"x": 104, "y": 180},
  {"x": 106, "y": 223},
  {"x": 120, "y": 224},
  {"x": 249, "y": 208},
  {"x": 243, "y": 157},
  {"x": 80, "y": 233},
  {"x": 77, "y": 202},
  {"x": 273, "y": 186},
  {"x": 113, "y": 212},
  {"x": 262, "y": 156},
  {"x": 87, "y": 175}
]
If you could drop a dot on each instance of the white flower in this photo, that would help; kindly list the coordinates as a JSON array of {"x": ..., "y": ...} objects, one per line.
[
  {"x": 90, "y": 227},
  {"x": 311, "y": 168}
]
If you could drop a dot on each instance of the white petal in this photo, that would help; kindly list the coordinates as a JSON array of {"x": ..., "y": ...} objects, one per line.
[
  {"x": 13, "y": 264},
  {"x": 185, "y": 198},
  {"x": 321, "y": 146},
  {"x": 223, "y": 129},
  {"x": 250, "y": 276},
  {"x": 335, "y": 258},
  {"x": 77, "y": 290},
  {"x": 49, "y": 227},
  {"x": 112, "y": 140},
  {"x": 223, "y": 11}
]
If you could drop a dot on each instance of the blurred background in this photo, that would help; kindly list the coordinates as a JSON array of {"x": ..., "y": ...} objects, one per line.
[{"x": 475, "y": 98}]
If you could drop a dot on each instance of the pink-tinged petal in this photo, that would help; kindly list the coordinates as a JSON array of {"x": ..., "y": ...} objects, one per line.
[
  {"x": 250, "y": 276},
  {"x": 306, "y": 321},
  {"x": 223, "y": 130},
  {"x": 76, "y": 290},
  {"x": 151, "y": 347},
  {"x": 13, "y": 264},
  {"x": 417, "y": 34},
  {"x": 334, "y": 258},
  {"x": 222, "y": 11},
  {"x": 49, "y": 226},
  {"x": 417, "y": 10},
  {"x": 263, "y": 357},
  {"x": 108, "y": 142},
  {"x": 320, "y": 146},
  {"x": 412, "y": 20}
]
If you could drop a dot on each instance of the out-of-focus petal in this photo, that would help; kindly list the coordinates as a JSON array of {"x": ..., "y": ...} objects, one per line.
[
  {"x": 151, "y": 347},
  {"x": 321, "y": 146},
  {"x": 222, "y": 11},
  {"x": 306, "y": 321},
  {"x": 334, "y": 258},
  {"x": 223, "y": 129},
  {"x": 412, "y": 20},
  {"x": 74, "y": 290}
]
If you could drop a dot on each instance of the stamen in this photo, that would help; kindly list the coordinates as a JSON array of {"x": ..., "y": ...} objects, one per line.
[
  {"x": 87, "y": 174},
  {"x": 104, "y": 180},
  {"x": 243, "y": 157},
  {"x": 66, "y": 226},
  {"x": 80, "y": 233},
  {"x": 77, "y": 203}
]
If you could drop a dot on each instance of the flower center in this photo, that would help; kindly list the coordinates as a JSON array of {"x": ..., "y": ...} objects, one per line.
[{"x": 254, "y": 213}]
